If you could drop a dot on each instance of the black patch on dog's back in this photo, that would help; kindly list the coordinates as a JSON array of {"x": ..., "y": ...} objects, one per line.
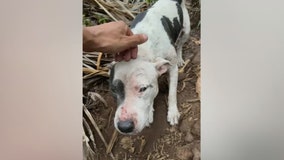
[
  {"x": 172, "y": 28},
  {"x": 179, "y": 1},
  {"x": 138, "y": 19},
  {"x": 180, "y": 14}
]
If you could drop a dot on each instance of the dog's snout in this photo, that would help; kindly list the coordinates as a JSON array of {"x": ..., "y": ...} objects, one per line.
[{"x": 126, "y": 126}]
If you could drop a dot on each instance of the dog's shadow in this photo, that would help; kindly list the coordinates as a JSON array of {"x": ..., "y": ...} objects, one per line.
[{"x": 160, "y": 124}]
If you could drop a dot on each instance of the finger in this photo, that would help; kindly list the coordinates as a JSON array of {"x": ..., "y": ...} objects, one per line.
[
  {"x": 127, "y": 55},
  {"x": 136, "y": 39},
  {"x": 131, "y": 41},
  {"x": 118, "y": 57},
  {"x": 134, "y": 52}
]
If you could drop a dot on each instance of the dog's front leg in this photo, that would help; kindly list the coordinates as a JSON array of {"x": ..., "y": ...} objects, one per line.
[
  {"x": 151, "y": 115},
  {"x": 173, "y": 113}
]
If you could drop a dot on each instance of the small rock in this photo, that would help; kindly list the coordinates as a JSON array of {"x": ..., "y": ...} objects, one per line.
[
  {"x": 184, "y": 153},
  {"x": 198, "y": 85},
  {"x": 186, "y": 124},
  {"x": 196, "y": 128},
  {"x": 172, "y": 129},
  {"x": 127, "y": 143},
  {"x": 196, "y": 154},
  {"x": 188, "y": 137}
]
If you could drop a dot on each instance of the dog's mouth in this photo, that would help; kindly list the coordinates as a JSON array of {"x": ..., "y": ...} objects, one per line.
[
  {"x": 130, "y": 134},
  {"x": 133, "y": 133}
]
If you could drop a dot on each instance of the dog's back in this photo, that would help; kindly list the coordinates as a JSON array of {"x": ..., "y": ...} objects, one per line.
[{"x": 163, "y": 23}]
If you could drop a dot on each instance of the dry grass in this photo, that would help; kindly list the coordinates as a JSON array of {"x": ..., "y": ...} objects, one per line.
[{"x": 101, "y": 11}]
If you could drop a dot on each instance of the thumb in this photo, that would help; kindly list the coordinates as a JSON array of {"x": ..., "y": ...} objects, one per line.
[{"x": 136, "y": 39}]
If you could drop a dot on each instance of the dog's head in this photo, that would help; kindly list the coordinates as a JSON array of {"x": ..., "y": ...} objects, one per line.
[{"x": 134, "y": 84}]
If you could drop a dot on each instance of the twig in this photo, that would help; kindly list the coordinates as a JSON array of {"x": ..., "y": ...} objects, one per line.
[
  {"x": 97, "y": 128},
  {"x": 112, "y": 141},
  {"x": 88, "y": 70},
  {"x": 88, "y": 153},
  {"x": 110, "y": 117},
  {"x": 142, "y": 145},
  {"x": 105, "y": 10},
  {"x": 149, "y": 156},
  {"x": 187, "y": 110},
  {"x": 88, "y": 76},
  {"x": 99, "y": 60},
  {"x": 94, "y": 94},
  {"x": 94, "y": 72},
  {"x": 127, "y": 11},
  {"x": 183, "y": 84},
  {"x": 87, "y": 57},
  {"x": 193, "y": 100},
  {"x": 138, "y": 6},
  {"x": 87, "y": 66},
  {"x": 162, "y": 149},
  {"x": 90, "y": 132},
  {"x": 125, "y": 156},
  {"x": 183, "y": 67}
]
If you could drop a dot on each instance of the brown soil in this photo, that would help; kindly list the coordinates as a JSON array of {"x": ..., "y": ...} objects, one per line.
[{"x": 160, "y": 141}]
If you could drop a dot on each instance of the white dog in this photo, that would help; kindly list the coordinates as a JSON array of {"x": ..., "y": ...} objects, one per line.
[{"x": 135, "y": 83}]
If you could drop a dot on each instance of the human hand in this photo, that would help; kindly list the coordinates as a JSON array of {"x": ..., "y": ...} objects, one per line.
[{"x": 113, "y": 37}]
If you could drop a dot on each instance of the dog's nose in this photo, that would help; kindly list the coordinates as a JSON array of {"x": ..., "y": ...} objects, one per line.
[{"x": 126, "y": 126}]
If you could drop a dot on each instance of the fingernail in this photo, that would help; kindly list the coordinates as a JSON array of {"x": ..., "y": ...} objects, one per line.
[{"x": 145, "y": 37}]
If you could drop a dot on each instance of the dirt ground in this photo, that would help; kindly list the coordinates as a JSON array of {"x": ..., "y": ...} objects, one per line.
[{"x": 160, "y": 141}]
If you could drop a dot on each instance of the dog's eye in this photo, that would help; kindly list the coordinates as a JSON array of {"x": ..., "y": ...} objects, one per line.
[{"x": 142, "y": 89}]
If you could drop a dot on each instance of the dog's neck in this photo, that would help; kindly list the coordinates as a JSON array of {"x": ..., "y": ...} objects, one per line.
[{"x": 145, "y": 54}]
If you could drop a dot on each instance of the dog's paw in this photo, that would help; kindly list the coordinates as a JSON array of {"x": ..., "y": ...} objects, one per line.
[
  {"x": 150, "y": 118},
  {"x": 180, "y": 62},
  {"x": 149, "y": 121},
  {"x": 173, "y": 116},
  {"x": 147, "y": 124}
]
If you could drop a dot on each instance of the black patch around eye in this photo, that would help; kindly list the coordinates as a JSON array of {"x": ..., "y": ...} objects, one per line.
[{"x": 117, "y": 88}]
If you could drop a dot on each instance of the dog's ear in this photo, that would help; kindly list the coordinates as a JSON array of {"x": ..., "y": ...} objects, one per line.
[
  {"x": 110, "y": 66},
  {"x": 162, "y": 65}
]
